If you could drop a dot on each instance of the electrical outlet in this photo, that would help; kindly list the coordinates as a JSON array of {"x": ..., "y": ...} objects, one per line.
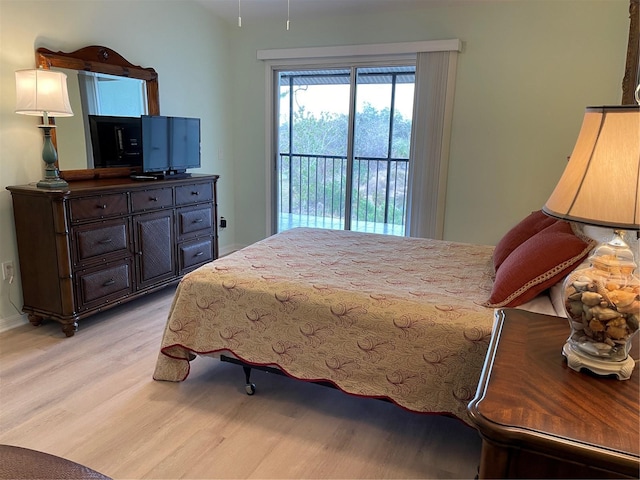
[{"x": 7, "y": 270}]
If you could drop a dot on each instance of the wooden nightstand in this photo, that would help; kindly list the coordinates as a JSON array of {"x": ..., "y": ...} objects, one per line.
[{"x": 540, "y": 419}]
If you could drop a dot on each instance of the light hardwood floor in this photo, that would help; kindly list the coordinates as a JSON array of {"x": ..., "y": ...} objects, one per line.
[{"x": 90, "y": 398}]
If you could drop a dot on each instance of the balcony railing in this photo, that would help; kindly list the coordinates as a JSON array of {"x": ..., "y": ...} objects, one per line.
[{"x": 312, "y": 192}]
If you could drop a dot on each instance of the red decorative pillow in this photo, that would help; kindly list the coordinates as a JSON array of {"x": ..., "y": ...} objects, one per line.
[
  {"x": 523, "y": 231},
  {"x": 537, "y": 264}
]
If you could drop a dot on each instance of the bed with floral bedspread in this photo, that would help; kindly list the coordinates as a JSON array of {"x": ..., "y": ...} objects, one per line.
[{"x": 377, "y": 316}]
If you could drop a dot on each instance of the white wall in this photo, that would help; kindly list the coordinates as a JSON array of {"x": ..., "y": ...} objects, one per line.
[
  {"x": 528, "y": 69},
  {"x": 187, "y": 46}
]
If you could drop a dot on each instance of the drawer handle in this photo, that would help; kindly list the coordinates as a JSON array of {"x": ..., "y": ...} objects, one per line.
[
  {"x": 199, "y": 254},
  {"x": 153, "y": 199},
  {"x": 103, "y": 207},
  {"x": 105, "y": 241},
  {"x": 108, "y": 282},
  {"x": 195, "y": 193},
  {"x": 198, "y": 220}
]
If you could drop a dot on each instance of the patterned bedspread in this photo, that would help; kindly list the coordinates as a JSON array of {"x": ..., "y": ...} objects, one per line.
[{"x": 376, "y": 315}]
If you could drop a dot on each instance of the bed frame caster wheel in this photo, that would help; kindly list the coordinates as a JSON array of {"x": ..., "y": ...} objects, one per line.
[{"x": 249, "y": 387}]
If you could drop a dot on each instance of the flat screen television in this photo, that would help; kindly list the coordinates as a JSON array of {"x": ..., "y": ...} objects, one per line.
[
  {"x": 170, "y": 145},
  {"x": 116, "y": 141}
]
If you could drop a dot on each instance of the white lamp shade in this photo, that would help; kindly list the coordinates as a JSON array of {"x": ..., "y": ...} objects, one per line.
[
  {"x": 600, "y": 185},
  {"x": 42, "y": 91}
]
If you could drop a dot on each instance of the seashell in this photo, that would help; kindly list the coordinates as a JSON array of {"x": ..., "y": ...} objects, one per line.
[
  {"x": 580, "y": 286},
  {"x": 602, "y": 347},
  {"x": 621, "y": 298},
  {"x": 633, "y": 308},
  {"x": 632, "y": 322},
  {"x": 595, "y": 348},
  {"x": 604, "y": 313},
  {"x": 588, "y": 314},
  {"x": 577, "y": 325},
  {"x": 575, "y": 296},
  {"x": 596, "y": 326},
  {"x": 574, "y": 309},
  {"x": 617, "y": 332},
  {"x": 591, "y": 298},
  {"x": 602, "y": 290},
  {"x": 617, "y": 322}
]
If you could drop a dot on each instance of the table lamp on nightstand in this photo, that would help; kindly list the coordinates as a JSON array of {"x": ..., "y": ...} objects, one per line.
[
  {"x": 44, "y": 93},
  {"x": 601, "y": 186}
]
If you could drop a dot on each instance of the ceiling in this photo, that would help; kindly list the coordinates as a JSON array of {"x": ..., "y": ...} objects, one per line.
[{"x": 308, "y": 9}]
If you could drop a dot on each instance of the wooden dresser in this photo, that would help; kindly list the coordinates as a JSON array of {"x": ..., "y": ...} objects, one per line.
[{"x": 103, "y": 242}]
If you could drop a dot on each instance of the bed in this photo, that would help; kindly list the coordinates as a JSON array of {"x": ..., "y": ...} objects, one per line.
[{"x": 398, "y": 318}]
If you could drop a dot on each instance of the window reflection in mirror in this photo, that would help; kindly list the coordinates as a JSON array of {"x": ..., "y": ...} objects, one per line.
[{"x": 93, "y": 93}]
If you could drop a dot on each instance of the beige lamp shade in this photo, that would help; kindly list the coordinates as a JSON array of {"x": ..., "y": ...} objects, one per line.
[
  {"x": 600, "y": 185},
  {"x": 42, "y": 92}
]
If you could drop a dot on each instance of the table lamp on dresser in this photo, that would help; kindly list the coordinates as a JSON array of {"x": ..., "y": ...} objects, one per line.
[
  {"x": 44, "y": 93},
  {"x": 600, "y": 186}
]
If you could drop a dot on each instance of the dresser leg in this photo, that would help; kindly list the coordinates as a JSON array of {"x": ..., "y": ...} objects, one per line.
[
  {"x": 35, "y": 320},
  {"x": 70, "y": 329}
]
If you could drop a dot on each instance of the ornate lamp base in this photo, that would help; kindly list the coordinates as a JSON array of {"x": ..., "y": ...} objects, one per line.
[
  {"x": 52, "y": 183},
  {"x": 49, "y": 155},
  {"x": 577, "y": 361}
]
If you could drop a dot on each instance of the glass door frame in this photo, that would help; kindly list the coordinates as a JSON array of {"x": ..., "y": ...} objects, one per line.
[{"x": 272, "y": 115}]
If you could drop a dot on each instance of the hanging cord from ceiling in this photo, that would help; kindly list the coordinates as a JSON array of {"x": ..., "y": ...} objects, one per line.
[
  {"x": 240, "y": 13},
  {"x": 288, "y": 5}
]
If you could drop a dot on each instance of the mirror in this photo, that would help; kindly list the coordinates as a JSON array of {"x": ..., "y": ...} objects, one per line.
[
  {"x": 92, "y": 71},
  {"x": 94, "y": 94}
]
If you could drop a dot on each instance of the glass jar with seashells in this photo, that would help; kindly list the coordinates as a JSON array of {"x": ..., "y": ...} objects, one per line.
[{"x": 602, "y": 300}]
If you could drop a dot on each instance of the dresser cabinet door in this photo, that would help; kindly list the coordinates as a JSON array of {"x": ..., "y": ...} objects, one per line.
[{"x": 154, "y": 245}]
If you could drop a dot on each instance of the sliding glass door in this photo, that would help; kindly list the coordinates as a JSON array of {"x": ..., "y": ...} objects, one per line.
[{"x": 343, "y": 141}]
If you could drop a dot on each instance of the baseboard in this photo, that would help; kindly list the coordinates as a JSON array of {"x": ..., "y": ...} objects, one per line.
[
  {"x": 230, "y": 249},
  {"x": 17, "y": 320}
]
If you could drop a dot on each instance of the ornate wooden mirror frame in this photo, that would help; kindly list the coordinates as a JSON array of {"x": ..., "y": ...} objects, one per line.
[
  {"x": 101, "y": 60},
  {"x": 632, "y": 69}
]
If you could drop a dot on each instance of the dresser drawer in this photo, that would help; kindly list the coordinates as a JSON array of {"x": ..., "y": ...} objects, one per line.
[
  {"x": 194, "y": 220},
  {"x": 151, "y": 199},
  {"x": 97, "y": 241},
  {"x": 104, "y": 285},
  {"x": 199, "y": 192},
  {"x": 98, "y": 207},
  {"x": 195, "y": 253}
]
